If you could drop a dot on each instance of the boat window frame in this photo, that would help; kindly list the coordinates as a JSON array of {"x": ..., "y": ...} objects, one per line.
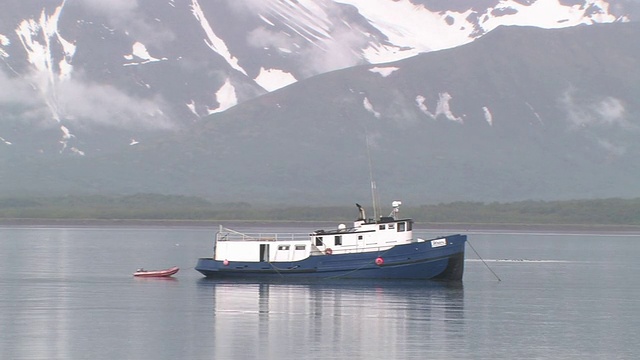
[
  {"x": 319, "y": 241},
  {"x": 337, "y": 240}
]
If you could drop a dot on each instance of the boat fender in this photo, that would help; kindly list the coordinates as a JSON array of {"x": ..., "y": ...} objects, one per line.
[
  {"x": 379, "y": 261},
  {"x": 328, "y": 251},
  {"x": 226, "y": 262}
]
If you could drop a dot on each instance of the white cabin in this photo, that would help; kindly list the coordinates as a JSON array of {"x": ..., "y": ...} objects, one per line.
[{"x": 364, "y": 236}]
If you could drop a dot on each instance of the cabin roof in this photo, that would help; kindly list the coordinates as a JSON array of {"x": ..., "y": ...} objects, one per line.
[{"x": 360, "y": 229}]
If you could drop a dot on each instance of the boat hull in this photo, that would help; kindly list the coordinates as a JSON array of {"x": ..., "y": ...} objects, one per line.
[
  {"x": 417, "y": 260},
  {"x": 157, "y": 273}
]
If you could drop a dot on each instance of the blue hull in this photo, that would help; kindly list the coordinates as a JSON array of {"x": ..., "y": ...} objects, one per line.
[{"x": 410, "y": 261}]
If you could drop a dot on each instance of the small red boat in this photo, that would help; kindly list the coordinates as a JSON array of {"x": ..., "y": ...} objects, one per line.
[{"x": 156, "y": 273}]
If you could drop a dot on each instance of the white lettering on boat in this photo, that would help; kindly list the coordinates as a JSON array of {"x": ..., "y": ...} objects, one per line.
[{"x": 438, "y": 243}]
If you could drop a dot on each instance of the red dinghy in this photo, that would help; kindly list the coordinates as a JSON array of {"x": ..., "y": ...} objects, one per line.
[{"x": 156, "y": 273}]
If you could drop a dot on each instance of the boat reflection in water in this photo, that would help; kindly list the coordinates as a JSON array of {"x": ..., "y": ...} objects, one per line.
[{"x": 347, "y": 316}]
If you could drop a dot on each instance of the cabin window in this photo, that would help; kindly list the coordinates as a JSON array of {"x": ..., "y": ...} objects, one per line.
[
  {"x": 381, "y": 227},
  {"x": 409, "y": 226},
  {"x": 359, "y": 237},
  {"x": 391, "y": 226},
  {"x": 318, "y": 240},
  {"x": 283, "y": 247},
  {"x": 338, "y": 240},
  {"x": 401, "y": 227},
  {"x": 300, "y": 247}
]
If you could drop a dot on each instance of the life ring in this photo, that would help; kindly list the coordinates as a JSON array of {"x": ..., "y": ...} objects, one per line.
[{"x": 328, "y": 251}]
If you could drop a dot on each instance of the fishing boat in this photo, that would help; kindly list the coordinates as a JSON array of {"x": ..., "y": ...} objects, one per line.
[
  {"x": 156, "y": 273},
  {"x": 384, "y": 248}
]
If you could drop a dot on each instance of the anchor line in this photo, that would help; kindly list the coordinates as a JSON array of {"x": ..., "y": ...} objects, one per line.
[{"x": 485, "y": 264}]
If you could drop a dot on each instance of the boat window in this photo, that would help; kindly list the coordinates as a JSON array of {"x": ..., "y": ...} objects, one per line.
[
  {"x": 318, "y": 240},
  {"x": 338, "y": 240},
  {"x": 300, "y": 247},
  {"x": 391, "y": 226},
  {"x": 359, "y": 237},
  {"x": 409, "y": 225},
  {"x": 381, "y": 227},
  {"x": 283, "y": 247},
  {"x": 400, "y": 226}
]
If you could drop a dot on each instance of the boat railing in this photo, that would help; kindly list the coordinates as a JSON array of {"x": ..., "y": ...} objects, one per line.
[{"x": 225, "y": 234}]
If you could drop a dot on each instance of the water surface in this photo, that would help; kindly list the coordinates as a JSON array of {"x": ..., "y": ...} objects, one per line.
[{"x": 68, "y": 293}]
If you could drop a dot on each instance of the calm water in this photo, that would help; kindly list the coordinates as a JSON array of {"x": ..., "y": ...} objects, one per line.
[{"x": 68, "y": 293}]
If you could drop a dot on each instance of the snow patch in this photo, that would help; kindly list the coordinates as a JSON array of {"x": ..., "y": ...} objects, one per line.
[
  {"x": 226, "y": 97},
  {"x": 535, "y": 113},
  {"x": 75, "y": 150},
  {"x": 274, "y": 79},
  {"x": 65, "y": 66},
  {"x": 38, "y": 37},
  {"x": 367, "y": 105},
  {"x": 139, "y": 50},
  {"x": 487, "y": 115},
  {"x": 442, "y": 107},
  {"x": 192, "y": 106},
  {"x": 266, "y": 20},
  {"x": 549, "y": 14},
  {"x": 213, "y": 41},
  {"x": 423, "y": 107},
  {"x": 384, "y": 71},
  {"x": 410, "y": 28},
  {"x": 4, "y": 41},
  {"x": 66, "y": 136}
]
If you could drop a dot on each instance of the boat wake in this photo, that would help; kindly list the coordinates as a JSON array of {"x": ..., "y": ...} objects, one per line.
[{"x": 519, "y": 260}]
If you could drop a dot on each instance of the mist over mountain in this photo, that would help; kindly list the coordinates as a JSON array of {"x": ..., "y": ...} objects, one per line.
[{"x": 297, "y": 102}]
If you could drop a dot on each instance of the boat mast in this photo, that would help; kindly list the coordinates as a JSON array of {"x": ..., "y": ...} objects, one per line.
[{"x": 374, "y": 190}]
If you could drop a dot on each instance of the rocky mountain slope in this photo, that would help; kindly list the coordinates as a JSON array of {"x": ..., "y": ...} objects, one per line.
[{"x": 172, "y": 97}]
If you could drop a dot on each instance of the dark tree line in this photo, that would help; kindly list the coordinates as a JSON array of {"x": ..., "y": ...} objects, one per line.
[{"x": 175, "y": 207}]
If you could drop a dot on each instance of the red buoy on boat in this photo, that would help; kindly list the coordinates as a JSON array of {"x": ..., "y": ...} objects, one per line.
[{"x": 379, "y": 261}]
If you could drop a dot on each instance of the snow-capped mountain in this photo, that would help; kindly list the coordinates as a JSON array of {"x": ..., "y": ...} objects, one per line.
[
  {"x": 78, "y": 68},
  {"x": 246, "y": 100}
]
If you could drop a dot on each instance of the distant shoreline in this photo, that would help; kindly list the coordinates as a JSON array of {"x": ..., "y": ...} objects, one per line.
[{"x": 312, "y": 225}]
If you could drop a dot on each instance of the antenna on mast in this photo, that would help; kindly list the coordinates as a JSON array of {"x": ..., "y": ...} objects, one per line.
[{"x": 374, "y": 190}]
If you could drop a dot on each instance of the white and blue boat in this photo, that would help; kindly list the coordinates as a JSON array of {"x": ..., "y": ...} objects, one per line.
[{"x": 370, "y": 249}]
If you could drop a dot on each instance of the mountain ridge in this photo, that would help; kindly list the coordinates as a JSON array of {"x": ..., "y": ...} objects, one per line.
[
  {"x": 520, "y": 113},
  {"x": 147, "y": 66},
  {"x": 558, "y": 130}
]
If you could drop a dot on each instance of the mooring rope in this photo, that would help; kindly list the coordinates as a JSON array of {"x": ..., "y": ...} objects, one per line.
[{"x": 485, "y": 264}]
